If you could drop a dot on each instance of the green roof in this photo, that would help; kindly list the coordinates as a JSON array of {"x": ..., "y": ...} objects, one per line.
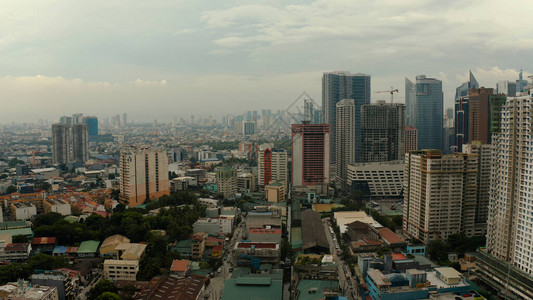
[
  {"x": 88, "y": 247},
  {"x": 12, "y": 224},
  {"x": 296, "y": 237},
  {"x": 18, "y": 231},
  {"x": 246, "y": 286},
  {"x": 183, "y": 247},
  {"x": 304, "y": 286}
]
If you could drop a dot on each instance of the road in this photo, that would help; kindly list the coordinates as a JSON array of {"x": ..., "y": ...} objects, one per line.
[
  {"x": 216, "y": 284},
  {"x": 345, "y": 278}
]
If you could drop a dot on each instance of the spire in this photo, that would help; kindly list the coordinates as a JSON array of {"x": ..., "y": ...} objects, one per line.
[{"x": 473, "y": 82}]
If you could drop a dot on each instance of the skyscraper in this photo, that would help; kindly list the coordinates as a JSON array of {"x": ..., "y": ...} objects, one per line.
[
  {"x": 440, "y": 194},
  {"x": 272, "y": 166},
  {"x": 143, "y": 175},
  {"x": 92, "y": 123},
  {"x": 345, "y": 136},
  {"x": 310, "y": 154},
  {"x": 343, "y": 85},
  {"x": 462, "y": 111},
  {"x": 482, "y": 102},
  {"x": 70, "y": 143},
  {"x": 382, "y": 126},
  {"x": 424, "y": 105},
  {"x": 506, "y": 263},
  {"x": 411, "y": 139}
]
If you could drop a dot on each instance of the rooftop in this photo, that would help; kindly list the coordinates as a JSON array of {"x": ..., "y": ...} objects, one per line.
[
  {"x": 247, "y": 245},
  {"x": 179, "y": 265},
  {"x": 246, "y": 286},
  {"x": 167, "y": 287},
  {"x": 44, "y": 241},
  {"x": 88, "y": 247}
]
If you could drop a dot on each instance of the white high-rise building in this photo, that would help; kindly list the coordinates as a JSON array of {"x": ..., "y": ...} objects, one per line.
[
  {"x": 272, "y": 165},
  {"x": 143, "y": 175},
  {"x": 440, "y": 194},
  {"x": 510, "y": 221},
  {"x": 345, "y": 136}
]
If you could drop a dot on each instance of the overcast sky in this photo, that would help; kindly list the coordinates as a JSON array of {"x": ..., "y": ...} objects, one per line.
[{"x": 160, "y": 59}]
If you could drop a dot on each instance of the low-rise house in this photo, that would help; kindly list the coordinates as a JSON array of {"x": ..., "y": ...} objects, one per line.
[
  {"x": 115, "y": 269},
  {"x": 180, "y": 268},
  {"x": 108, "y": 245},
  {"x": 16, "y": 252},
  {"x": 88, "y": 249}
]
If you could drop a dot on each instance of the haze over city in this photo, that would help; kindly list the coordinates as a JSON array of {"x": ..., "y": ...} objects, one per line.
[{"x": 180, "y": 58}]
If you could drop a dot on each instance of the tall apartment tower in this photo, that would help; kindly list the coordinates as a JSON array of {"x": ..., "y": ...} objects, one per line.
[
  {"x": 510, "y": 225},
  {"x": 226, "y": 181},
  {"x": 310, "y": 154},
  {"x": 345, "y": 136},
  {"x": 60, "y": 143},
  {"x": 143, "y": 175},
  {"x": 481, "y": 208},
  {"x": 484, "y": 113},
  {"x": 343, "y": 85},
  {"x": 272, "y": 166},
  {"x": 411, "y": 139},
  {"x": 70, "y": 143},
  {"x": 382, "y": 126},
  {"x": 440, "y": 194},
  {"x": 424, "y": 109}
]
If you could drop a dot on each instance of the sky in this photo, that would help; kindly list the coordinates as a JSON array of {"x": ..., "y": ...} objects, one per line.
[{"x": 163, "y": 59}]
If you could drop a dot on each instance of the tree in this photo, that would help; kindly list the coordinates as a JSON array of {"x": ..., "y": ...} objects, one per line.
[
  {"x": 100, "y": 288},
  {"x": 438, "y": 250},
  {"x": 129, "y": 291},
  {"x": 109, "y": 296},
  {"x": 119, "y": 208},
  {"x": 20, "y": 239},
  {"x": 111, "y": 176},
  {"x": 11, "y": 189}
]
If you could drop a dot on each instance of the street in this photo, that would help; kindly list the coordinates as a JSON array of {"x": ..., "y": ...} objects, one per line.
[{"x": 345, "y": 279}]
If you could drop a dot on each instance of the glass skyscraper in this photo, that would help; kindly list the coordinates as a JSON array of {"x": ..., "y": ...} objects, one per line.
[
  {"x": 424, "y": 103},
  {"x": 462, "y": 111},
  {"x": 344, "y": 85}
]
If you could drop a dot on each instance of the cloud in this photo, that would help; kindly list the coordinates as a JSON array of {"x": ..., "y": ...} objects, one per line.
[{"x": 141, "y": 82}]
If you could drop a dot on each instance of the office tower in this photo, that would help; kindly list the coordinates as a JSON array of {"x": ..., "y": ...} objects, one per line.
[
  {"x": 60, "y": 143},
  {"x": 226, "y": 181},
  {"x": 116, "y": 120},
  {"x": 440, "y": 194},
  {"x": 484, "y": 113},
  {"x": 382, "y": 127},
  {"x": 70, "y": 143},
  {"x": 461, "y": 122},
  {"x": 424, "y": 108},
  {"x": 65, "y": 120},
  {"x": 272, "y": 165},
  {"x": 77, "y": 118},
  {"x": 310, "y": 154},
  {"x": 143, "y": 175},
  {"x": 80, "y": 142},
  {"x": 481, "y": 208},
  {"x": 248, "y": 127},
  {"x": 343, "y": 85},
  {"x": 411, "y": 139},
  {"x": 345, "y": 136},
  {"x": 462, "y": 90},
  {"x": 124, "y": 119},
  {"x": 506, "y": 264},
  {"x": 92, "y": 123}
]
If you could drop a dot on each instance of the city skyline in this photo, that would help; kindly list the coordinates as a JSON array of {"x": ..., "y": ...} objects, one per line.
[{"x": 59, "y": 59}]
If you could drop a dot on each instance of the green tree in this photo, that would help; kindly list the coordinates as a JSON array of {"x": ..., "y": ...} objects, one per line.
[
  {"x": 438, "y": 250},
  {"x": 20, "y": 239},
  {"x": 109, "y": 296},
  {"x": 100, "y": 288},
  {"x": 15, "y": 161},
  {"x": 11, "y": 189},
  {"x": 129, "y": 291}
]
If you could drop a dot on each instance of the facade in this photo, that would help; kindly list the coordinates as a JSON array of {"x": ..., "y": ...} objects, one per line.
[
  {"x": 275, "y": 192},
  {"x": 57, "y": 205},
  {"x": 115, "y": 269},
  {"x": 15, "y": 252},
  {"x": 440, "y": 194},
  {"x": 198, "y": 245},
  {"x": 24, "y": 210},
  {"x": 226, "y": 181},
  {"x": 345, "y": 137},
  {"x": 70, "y": 143},
  {"x": 180, "y": 268},
  {"x": 381, "y": 179},
  {"x": 410, "y": 139},
  {"x": 461, "y": 122},
  {"x": 255, "y": 254},
  {"x": 485, "y": 162},
  {"x": 424, "y": 110},
  {"x": 510, "y": 210},
  {"x": 144, "y": 175},
  {"x": 310, "y": 154},
  {"x": 343, "y": 85},
  {"x": 248, "y": 127},
  {"x": 247, "y": 182},
  {"x": 484, "y": 115},
  {"x": 65, "y": 283},
  {"x": 272, "y": 165},
  {"x": 92, "y": 124},
  {"x": 508, "y": 88},
  {"x": 382, "y": 126}
]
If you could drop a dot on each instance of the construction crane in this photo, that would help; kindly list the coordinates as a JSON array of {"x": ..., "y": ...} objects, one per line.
[{"x": 391, "y": 92}]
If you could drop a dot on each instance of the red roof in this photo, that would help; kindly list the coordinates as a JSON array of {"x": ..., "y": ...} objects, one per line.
[
  {"x": 398, "y": 256},
  {"x": 371, "y": 241},
  {"x": 72, "y": 250},
  {"x": 212, "y": 239},
  {"x": 44, "y": 241},
  {"x": 217, "y": 248},
  {"x": 389, "y": 236},
  {"x": 257, "y": 245},
  {"x": 16, "y": 247},
  {"x": 179, "y": 265}
]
